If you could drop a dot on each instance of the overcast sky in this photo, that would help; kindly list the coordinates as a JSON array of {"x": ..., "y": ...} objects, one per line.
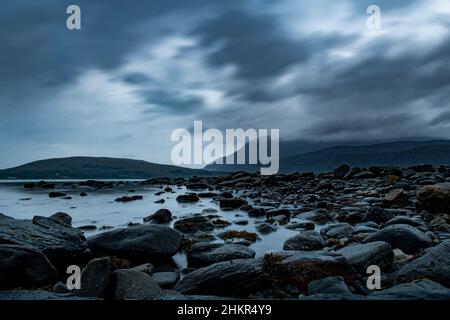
[{"x": 139, "y": 69}]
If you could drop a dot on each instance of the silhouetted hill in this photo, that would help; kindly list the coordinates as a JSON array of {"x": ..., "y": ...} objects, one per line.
[{"x": 96, "y": 168}]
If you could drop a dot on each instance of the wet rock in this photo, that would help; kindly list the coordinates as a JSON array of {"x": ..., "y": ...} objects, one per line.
[
  {"x": 166, "y": 280},
  {"x": 433, "y": 265},
  {"x": 83, "y": 194},
  {"x": 230, "y": 234},
  {"x": 95, "y": 278},
  {"x": 196, "y": 186},
  {"x": 328, "y": 285},
  {"x": 193, "y": 224},
  {"x": 160, "y": 201},
  {"x": 405, "y": 220},
  {"x": 137, "y": 242},
  {"x": 363, "y": 175},
  {"x": 300, "y": 268},
  {"x": 129, "y": 198},
  {"x": 62, "y": 218},
  {"x": 420, "y": 290},
  {"x": 241, "y": 222},
  {"x": 234, "y": 278},
  {"x": 361, "y": 256},
  {"x": 60, "y": 287},
  {"x": 188, "y": 198},
  {"x": 303, "y": 225},
  {"x": 434, "y": 198},
  {"x": 377, "y": 215},
  {"x": 55, "y": 194},
  {"x": 320, "y": 216},
  {"x": 21, "y": 266},
  {"x": 257, "y": 212},
  {"x": 207, "y": 194},
  {"x": 51, "y": 236},
  {"x": 135, "y": 285},
  {"x": 146, "y": 268},
  {"x": 401, "y": 236},
  {"x": 160, "y": 216},
  {"x": 307, "y": 240},
  {"x": 203, "y": 254},
  {"x": 265, "y": 228},
  {"x": 338, "y": 230},
  {"x": 233, "y": 203},
  {"x": 396, "y": 198},
  {"x": 89, "y": 227}
]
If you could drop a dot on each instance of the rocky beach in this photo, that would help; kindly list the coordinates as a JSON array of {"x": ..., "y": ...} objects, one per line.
[{"x": 240, "y": 235}]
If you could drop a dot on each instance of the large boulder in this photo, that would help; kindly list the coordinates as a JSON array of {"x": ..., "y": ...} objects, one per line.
[
  {"x": 203, "y": 254},
  {"x": 360, "y": 256},
  {"x": 52, "y": 236},
  {"x": 433, "y": 265},
  {"x": 434, "y": 198},
  {"x": 135, "y": 285},
  {"x": 194, "y": 224},
  {"x": 302, "y": 267},
  {"x": 95, "y": 278},
  {"x": 307, "y": 240},
  {"x": 21, "y": 266},
  {"x": 401, "y": 236},
  {"x": 419, "y": 290},
  {"x": 139, "y": 242},
  {"x": 229, "y": 278}
]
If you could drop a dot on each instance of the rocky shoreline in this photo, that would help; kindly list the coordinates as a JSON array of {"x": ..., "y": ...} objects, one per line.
[{"x": 344, "y": 221}]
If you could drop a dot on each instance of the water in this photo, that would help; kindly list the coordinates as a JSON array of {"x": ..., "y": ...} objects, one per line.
[{"x": 100, "y": 209}]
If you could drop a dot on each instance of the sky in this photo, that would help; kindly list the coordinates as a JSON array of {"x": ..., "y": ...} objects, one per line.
[{"x": 137, "y": 70}]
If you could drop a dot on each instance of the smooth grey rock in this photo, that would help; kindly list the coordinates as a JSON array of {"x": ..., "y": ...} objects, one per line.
[
  {"x": 203, "y": 254},
  {"x": 307, "y": 240},
  {"x": 135, "y": 285},
  {"x": 328, "y": 285},
  {"x": 160, "y": 216},
  {"x": 401, "y": 236},
  {"x": 95, "y": 278},
  {"x": 194, "y": 224},
  {"x": 137, "y": 242},
  {"x": 360, "y": 256},
  {"x": 166, "y": 279}
]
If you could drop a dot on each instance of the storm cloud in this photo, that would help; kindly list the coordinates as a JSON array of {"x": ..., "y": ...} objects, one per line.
[{"x": 138, "y": 70}]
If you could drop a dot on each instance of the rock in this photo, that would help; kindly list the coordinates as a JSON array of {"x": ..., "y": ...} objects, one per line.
[
  {"x": 196, "y": 223},
  {"x": 160, "y": 201},
  {"x": 207, "y": 194},
  {"x": 433, "y": 265},
  {"x": 337, "y": 230},
  {"x": 203, "y": 254},
  {"x": 307, "y": 240},
  {"x": 55, "y": 194},
  {"x": 137, "y": 242},
  {"x": 361, "y": 256},
  {"x": 420, "y": 290},
  {"x": 236, "y": 278},
  {"x": 166, "y": 279},
  {"x": 135, "y": 285},
  {"x": 188, "y": 198},
  {"x": 241, "y": 222},
  {"x": 300, "y": 268},
  {"x": 62, "y": 218},
  {"x": 265, "y": 228},
  {"x": 21, "y": 266},
  {"x": 233, "y": 203},
  {"x": 83, "y": 194},
  {"x": 404, "y": 220},
  {"x": 160, "y": 216},
  {"x": 146, "y": 268},
  {"x": 196, "y": 186},
  {"x": 401, "y": 236},
  {"x": 230, "y": 234},
  {"x": 328, "y": 285},
  {"x": 61, "y": 244},
  {"x": 378, "y": 215},
  {"x": 396, "y": 198},
  {"x": 88, "y": 227},
  {"x": 342, "y": 171},
  {"x": 304, "y": 225},
  {"x": 129, "y": 198},
  {"x": 434, "y": 198},
  {"x": 363, "y": 175},
  {"x": 95, "y": 278},
  {"x": 256, "y": 212},
  {"x": 60, "y": 287},
  {"x": 320, "y": 216}
]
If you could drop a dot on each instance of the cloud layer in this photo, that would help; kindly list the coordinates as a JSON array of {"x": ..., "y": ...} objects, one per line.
[{"x": 138, "y": 70}]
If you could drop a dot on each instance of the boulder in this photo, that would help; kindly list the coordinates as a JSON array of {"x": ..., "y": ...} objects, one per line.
[
  {"x": 137, "y": 242},
  {"x": 434, "y": 198},
  {"x": 360, "y": 256},
  {"x": 203, "y": 253},
  {"x": 21, "y": 266},
  {"x": 95, "y": 278},
  {"x": 396, "y": 198},
  {"x": 338, "y": 230},
  {"x": 188, "y": 198},
  {"x": 265, "y": 228},
  {"x": 194, "y": 224},
  {"x": 160, "y": 216},
  {"x": 60, "y": 243},
  {"x": 166, "y": 280},
  {"x": 433, "y": 265},
  {"x": 233, "y": 203},
  {"x": 401, "y": 236},
  {"x": 377, "y": 215},
  {"x": 236, "y": 278},
  {"x": 135, "y": 285},
  {"x": 307, "y": 240},
  {"x": 129, "y": 198}
]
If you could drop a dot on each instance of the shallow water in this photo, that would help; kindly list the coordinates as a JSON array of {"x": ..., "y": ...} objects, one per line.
[{"x": 100, "y": 209}]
